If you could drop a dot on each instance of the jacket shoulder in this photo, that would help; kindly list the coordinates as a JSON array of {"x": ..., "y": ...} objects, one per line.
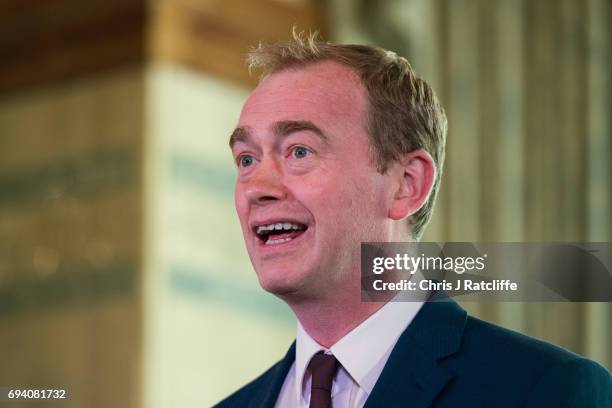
[
  {"x": 572, "y": 383},
  {"x": 516, "y": 349},
  {"x": 526, "y": 370}
]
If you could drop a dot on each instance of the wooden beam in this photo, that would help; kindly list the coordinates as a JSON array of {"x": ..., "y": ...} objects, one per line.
[
  {"x": 215, "y": 35},
  {"x": 43, "y": 41},
  {"x": 46, "y": 41}
]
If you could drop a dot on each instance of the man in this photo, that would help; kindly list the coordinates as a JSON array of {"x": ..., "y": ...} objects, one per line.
[{"x": 343, "y": 144}]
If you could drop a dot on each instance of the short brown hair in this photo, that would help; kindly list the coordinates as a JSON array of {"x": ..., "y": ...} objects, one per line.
[{"x": 404, "y": 113}]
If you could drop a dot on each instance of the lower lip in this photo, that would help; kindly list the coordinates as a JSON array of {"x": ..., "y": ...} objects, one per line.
[{"x": 282, "y": 245}]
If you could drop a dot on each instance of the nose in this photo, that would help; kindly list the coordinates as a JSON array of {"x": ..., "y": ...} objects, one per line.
[{"x": 265, "y": 184}]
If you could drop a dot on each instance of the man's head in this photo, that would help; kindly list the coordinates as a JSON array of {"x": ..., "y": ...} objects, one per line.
[
  {"x": 339, "y": 144},
  {"x": 403, "y": 112}
]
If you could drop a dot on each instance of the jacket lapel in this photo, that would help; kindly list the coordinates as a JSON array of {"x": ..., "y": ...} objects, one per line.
[
  {"x": 267, "y": 395},
  {"x": 413, "y": 373}
]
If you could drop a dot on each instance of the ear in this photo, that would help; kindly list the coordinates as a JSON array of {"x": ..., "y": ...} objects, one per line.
[{"x": 416, "y": 173}]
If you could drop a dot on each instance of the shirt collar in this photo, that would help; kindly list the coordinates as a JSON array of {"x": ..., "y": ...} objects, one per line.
[
  {"x": 362, "y": 352},
  {"x": 305, "y": 348}
]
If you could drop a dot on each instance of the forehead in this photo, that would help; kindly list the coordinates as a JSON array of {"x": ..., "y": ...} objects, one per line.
[{"x": 327, "y": 93}]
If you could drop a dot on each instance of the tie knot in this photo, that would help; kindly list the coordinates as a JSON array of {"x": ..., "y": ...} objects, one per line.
[{"x": 323, "y": 368}]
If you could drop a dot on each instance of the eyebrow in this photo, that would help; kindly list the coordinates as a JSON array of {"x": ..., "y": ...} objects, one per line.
[
  {"x": 240, "y": 134},
  {"x": 281, "y": 129},
  {"x": 286, "y": 127}
]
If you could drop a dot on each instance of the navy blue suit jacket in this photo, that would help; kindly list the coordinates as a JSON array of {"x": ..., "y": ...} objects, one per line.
[{"x": 446, "y": 358}]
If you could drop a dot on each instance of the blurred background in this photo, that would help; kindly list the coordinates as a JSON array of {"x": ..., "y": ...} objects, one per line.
[{"x": 123, "y": 275}]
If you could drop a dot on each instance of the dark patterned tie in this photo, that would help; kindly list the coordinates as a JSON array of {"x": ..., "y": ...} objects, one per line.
[{"x": 323, "y": 368}]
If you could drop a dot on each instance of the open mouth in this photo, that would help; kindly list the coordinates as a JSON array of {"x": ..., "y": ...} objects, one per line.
[{"x": 279, "y": 232}]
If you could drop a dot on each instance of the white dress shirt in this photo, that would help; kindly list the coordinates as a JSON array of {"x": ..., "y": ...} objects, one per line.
[{"x": 362, "y": 353}]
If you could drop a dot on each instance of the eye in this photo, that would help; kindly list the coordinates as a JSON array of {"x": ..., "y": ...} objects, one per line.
[
  {"x": 299, "y": 152},
  {"x": 245, "y": 160}
]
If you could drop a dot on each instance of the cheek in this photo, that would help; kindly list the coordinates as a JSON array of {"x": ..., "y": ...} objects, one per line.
[
  {"x": 332, "y": 194},
  {"x": 240, "y": 204},
  {"x": 364, "y": 208},
  {"x": 341, "y": 196},
  {"x": 339, "y": 207},
  {"x": 361, "y": 196}
]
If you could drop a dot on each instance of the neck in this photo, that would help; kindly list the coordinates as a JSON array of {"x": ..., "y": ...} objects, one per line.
[
  {"x": 329, "y": 320},
  {"x": 327, "y": 317}
]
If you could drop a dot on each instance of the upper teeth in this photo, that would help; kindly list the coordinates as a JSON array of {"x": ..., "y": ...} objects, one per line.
[{"x": 278, "y": 226}]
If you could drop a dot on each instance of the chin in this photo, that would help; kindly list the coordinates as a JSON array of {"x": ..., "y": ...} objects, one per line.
[
  {"x": 283, "y": 291},
  {"x": 277, "y": 283}
]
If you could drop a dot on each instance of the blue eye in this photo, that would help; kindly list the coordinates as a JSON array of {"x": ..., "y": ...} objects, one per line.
[
  {"x": 245, "y": 161},
  {"x": 300, "y": 152}
]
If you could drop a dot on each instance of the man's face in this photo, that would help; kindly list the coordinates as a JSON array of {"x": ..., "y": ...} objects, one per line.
[{"x": 307, "y": 192}]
